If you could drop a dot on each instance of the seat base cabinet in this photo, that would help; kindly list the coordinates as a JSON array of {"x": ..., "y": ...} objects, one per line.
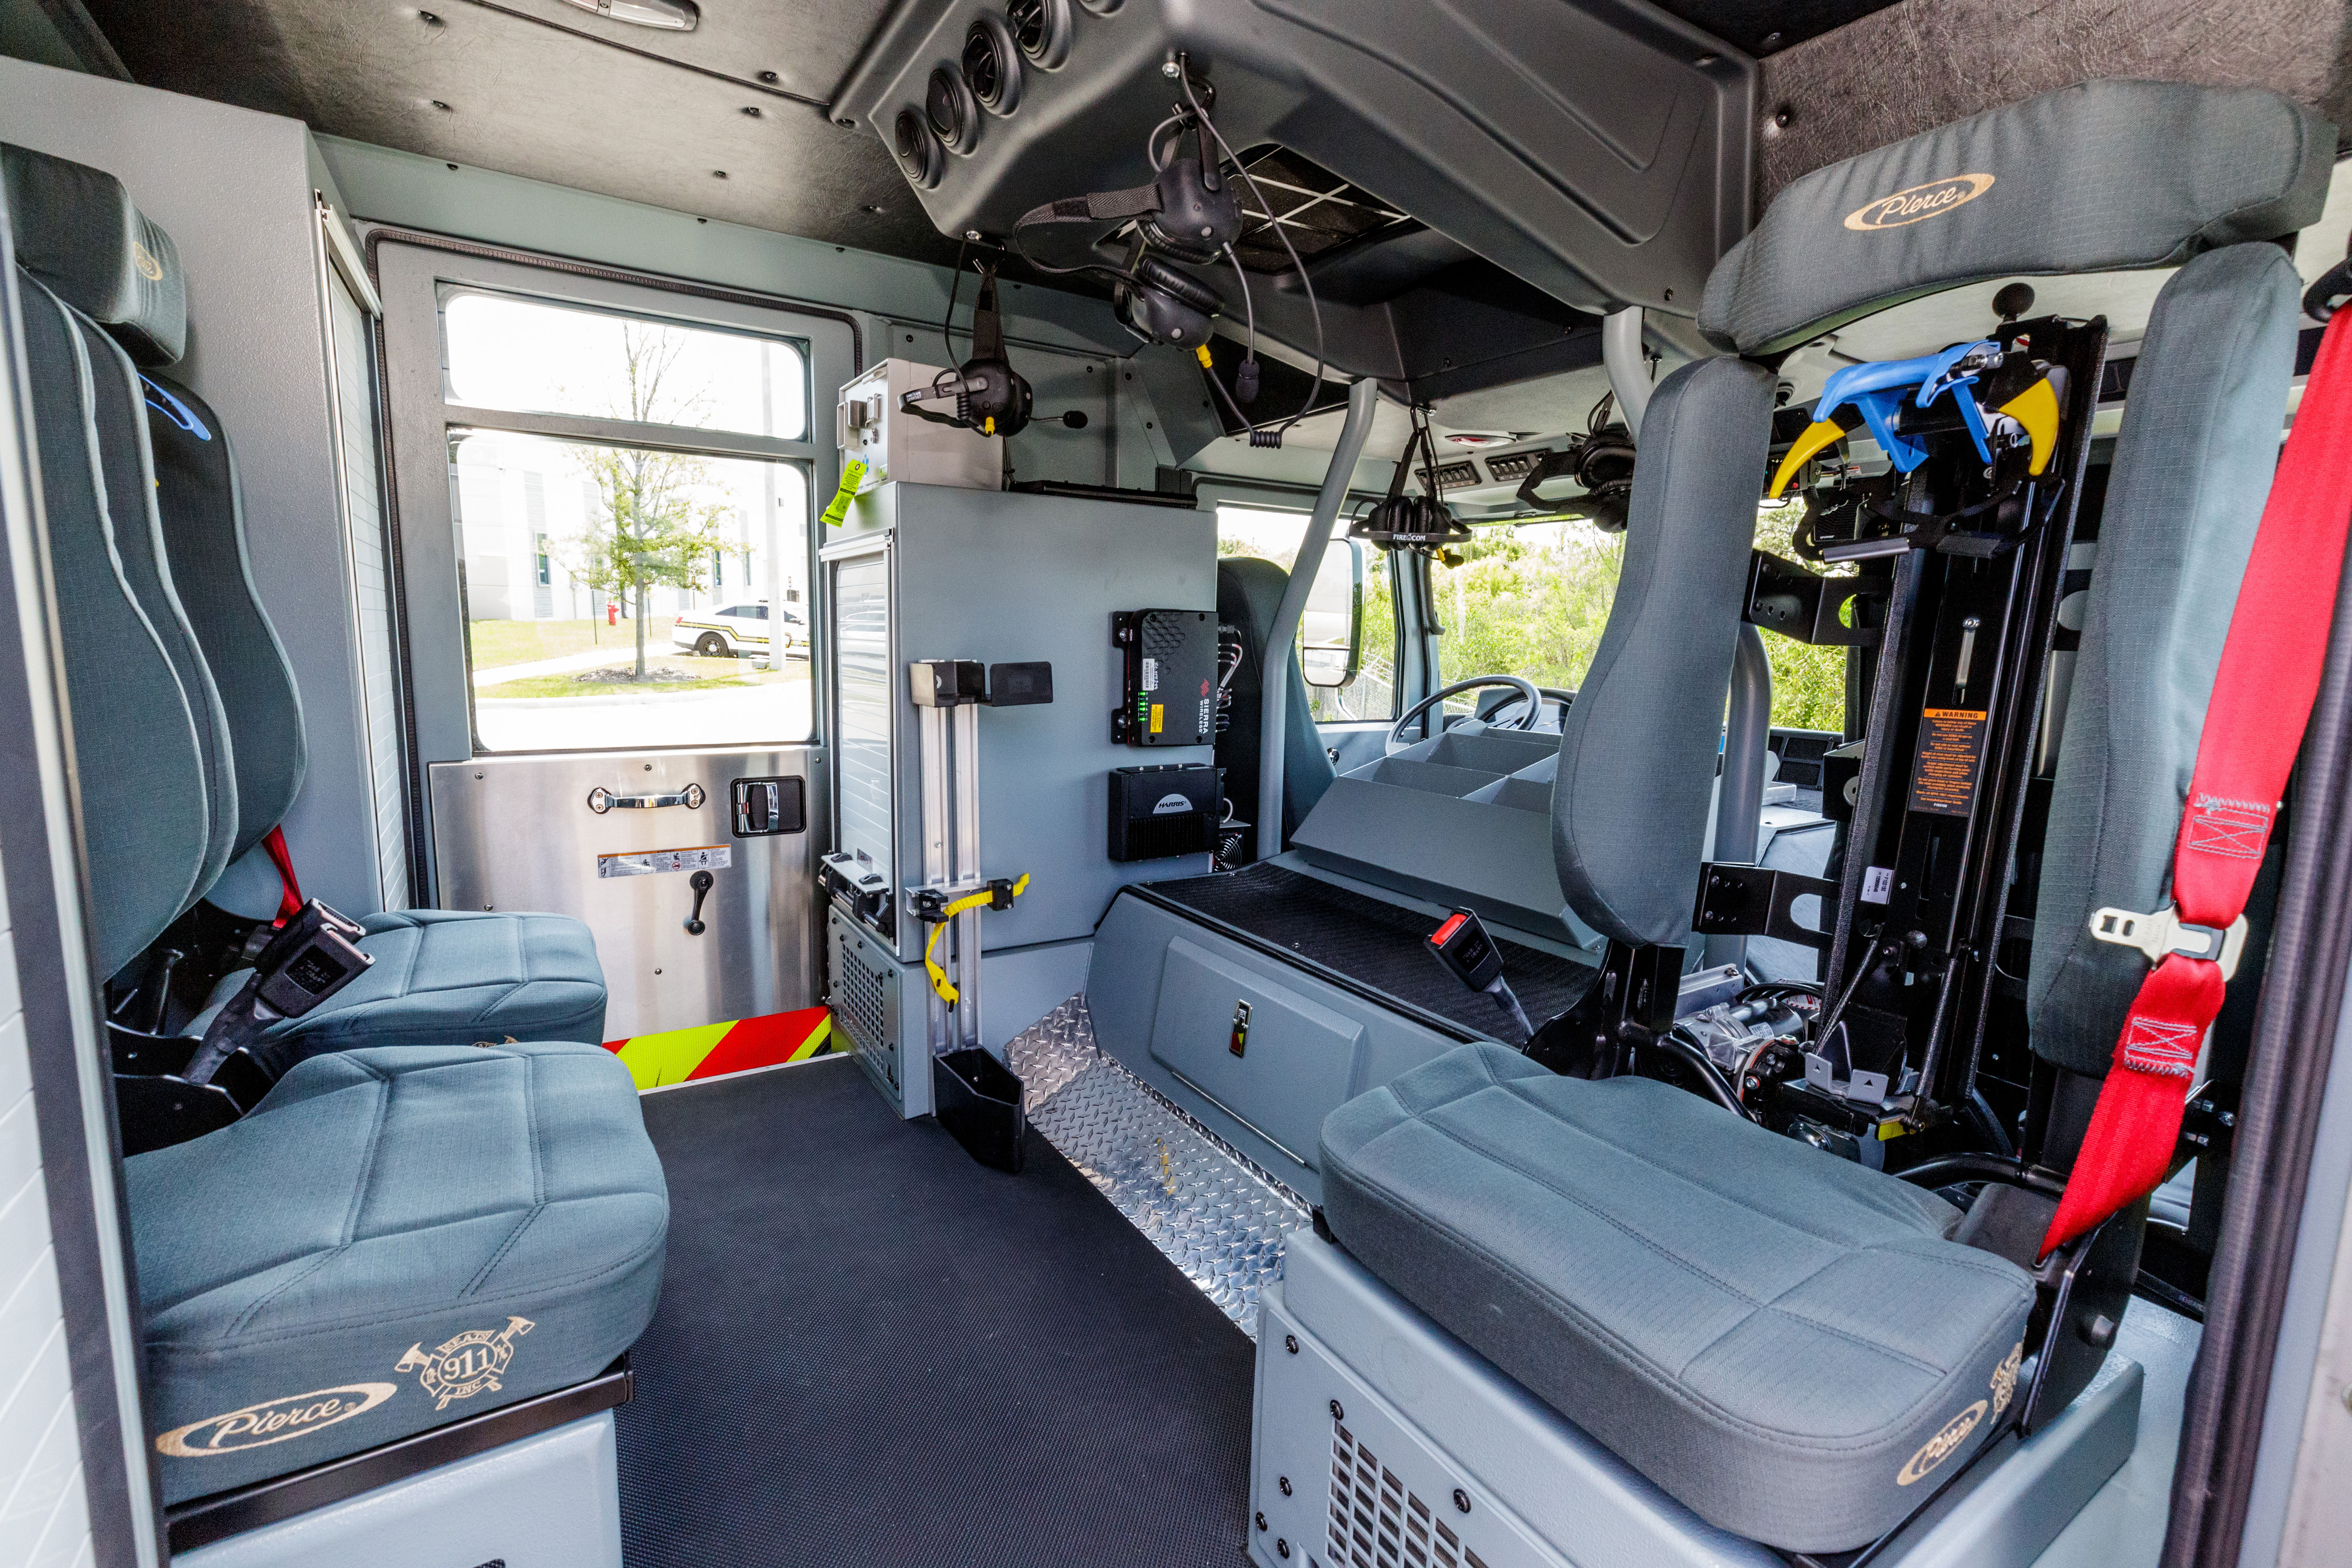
[
  {"x": 549, "y": 1500},
  {"x": 1352, "y": 1378}
]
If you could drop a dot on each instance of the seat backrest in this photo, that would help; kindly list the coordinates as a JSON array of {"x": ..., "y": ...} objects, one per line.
[
  {"x": 2193, "y": 468},
  {"x": 2103, "y": 176},
  {"x": 118, "y": 414},
  {"x": 139, "y": 766},
  {"x": 1249, "y": 592},
  {"x": 202, "y": 509},
  {"x": 153, "y": 760},
  {"x": 1637, "y": 749}
]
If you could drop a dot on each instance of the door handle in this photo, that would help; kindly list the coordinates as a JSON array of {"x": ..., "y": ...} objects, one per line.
[
  {"x": 602, "y": 800},
  {"x": 700, "y": 882}
]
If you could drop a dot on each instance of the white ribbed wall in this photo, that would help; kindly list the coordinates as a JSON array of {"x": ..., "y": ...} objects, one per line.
[{"x": 43, "y": 1516}]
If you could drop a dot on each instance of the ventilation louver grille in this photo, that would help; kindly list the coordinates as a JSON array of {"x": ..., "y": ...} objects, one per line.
[
  {"x": 857, "y": 998},
  {"x": 1516, "y": 466},
  {"x": 1378, "y": 1522}
]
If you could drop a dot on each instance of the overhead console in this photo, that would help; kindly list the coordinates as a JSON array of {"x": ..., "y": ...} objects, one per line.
[{"x": 1597, "y": 151}]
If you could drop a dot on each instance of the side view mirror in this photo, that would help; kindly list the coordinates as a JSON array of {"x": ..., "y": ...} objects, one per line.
[{"x": 1331, "y": 632}]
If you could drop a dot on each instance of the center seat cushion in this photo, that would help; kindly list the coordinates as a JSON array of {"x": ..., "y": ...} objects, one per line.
[
  {"x": 392, "y": 1240},
  {"x": 446, "y": 977},
  {"x": 1786, "y": 1341}
]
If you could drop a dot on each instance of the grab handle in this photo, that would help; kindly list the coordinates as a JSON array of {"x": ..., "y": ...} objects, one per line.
[{"x": 602, "y": 800}]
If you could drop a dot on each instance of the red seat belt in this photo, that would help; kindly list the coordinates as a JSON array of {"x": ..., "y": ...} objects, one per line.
[
  {"x": 2270, "y": 665},
  {"x": 289, "y": 896}
]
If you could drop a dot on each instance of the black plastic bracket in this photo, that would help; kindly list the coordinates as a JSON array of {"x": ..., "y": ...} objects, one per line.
[
  {"x": 1753, "y": 900},
  {"x": 1631, "y": 1000},
  {"x": 1784, "y": 598},
  {"x": 2094, "y": 1286}
]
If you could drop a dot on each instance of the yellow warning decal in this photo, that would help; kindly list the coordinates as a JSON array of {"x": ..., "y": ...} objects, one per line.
[{"x": 1157, "y": 712}]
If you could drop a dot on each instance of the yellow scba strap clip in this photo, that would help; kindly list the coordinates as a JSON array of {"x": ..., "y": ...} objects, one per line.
[
  {"x": 988, "y": 895},
  {"x": 852, "y": 474},
  {"x": 1821, "y": 433},
  {"x": 2036, "y": 412}
]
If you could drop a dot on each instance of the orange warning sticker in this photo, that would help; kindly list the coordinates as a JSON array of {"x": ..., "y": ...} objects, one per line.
[{"x": 1951, "y": 751}]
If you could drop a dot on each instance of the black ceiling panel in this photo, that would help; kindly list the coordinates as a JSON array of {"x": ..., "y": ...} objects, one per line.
[
  {"x": 1766, "y": 29},
  {"x": 618, "y": 110}
]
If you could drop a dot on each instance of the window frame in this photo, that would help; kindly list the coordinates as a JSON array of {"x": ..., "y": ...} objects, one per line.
[{"x": 417, "y": 280}]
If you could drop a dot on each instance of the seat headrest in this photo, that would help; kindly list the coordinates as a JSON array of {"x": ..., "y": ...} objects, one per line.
[
  {"x": 79, "y": 233},
  {"x": 2100, "y": 177}
]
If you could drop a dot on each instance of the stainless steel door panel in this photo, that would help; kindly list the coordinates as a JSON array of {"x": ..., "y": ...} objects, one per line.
[{"x": 517, "y": 833}]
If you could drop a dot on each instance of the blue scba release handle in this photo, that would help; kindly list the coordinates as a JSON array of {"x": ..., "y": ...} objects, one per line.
[
  {"x": 1877, "y": 390},
  {"x": 177, "y": 412}
]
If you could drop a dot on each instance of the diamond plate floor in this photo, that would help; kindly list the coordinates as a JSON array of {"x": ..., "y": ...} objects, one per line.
[{"x": 1215, "y": 1214}]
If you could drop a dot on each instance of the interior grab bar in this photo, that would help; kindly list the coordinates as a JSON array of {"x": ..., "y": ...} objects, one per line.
[
  {"x": 1272, "y": 718},
  {"x": 602, "y": 800}
]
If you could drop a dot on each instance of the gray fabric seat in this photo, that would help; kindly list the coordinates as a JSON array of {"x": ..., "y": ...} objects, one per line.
[
  {"x": 445, "y": 977},
  {"x": 152, "y": 523},
  {"x": 392, "y": 1240},
  {"x": 1793, "y": 1344},
  {"x": 1773, "y": 1334}
]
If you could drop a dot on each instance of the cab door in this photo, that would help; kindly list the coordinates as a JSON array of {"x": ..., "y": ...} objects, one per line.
[{"x": 583, "y": 466}]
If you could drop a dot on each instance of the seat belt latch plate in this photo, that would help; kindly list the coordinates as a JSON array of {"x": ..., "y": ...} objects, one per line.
[{"x": 2164, "y": 933}]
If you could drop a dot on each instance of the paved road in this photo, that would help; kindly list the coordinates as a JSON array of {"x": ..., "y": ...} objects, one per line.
[{"x": 750, "y": 715}]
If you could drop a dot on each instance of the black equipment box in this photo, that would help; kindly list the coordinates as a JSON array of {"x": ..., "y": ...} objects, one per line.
[
  {"x": 1163, "y": 810},
  {"x": 1169, "y": 692}
]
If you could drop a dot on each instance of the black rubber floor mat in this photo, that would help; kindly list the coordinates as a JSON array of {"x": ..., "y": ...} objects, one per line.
[
  {"x": 872, "y": 1351},
  {"x": 1379, "y": 945}
]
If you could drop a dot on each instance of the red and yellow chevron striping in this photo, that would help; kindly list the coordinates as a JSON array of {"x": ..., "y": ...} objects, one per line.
[{"x": 676, "y": 1055}]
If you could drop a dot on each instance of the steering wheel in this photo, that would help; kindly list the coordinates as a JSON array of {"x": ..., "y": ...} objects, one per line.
[
  {"x": 1556, "y": 696},
  {"x": 1528, "y": 695}
]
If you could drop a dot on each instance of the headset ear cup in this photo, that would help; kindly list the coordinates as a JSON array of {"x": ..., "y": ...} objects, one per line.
[
  {"x": 1165, "y": 306},
  {"x": 1186, "y": 288}
]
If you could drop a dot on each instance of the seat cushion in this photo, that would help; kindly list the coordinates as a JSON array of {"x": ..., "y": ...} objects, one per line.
[
  {"x": 392, "y": 1239},
  {"x": 1785, "y": 1341},
  {"x": 443, "y": 977}
]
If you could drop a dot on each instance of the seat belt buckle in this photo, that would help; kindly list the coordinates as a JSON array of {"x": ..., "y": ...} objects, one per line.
[
  {"x": 316, "y": 954},
  {"x": 2164, "y": 933}
]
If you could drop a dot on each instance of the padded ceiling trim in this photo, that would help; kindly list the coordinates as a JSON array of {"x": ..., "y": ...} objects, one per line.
[
  {"x": 1926, "y": 63},
  {"x": 550, "y": 104}
]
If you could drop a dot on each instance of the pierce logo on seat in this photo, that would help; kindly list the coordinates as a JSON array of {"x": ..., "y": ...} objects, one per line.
[
  {"x": 1942, "y": 1445},
  {"x": 1917, "y": 204},
  {"x": 462, "y": 1367},
  {"x": 143, "y": 259},
  {"x": 273, "y": 1421}
]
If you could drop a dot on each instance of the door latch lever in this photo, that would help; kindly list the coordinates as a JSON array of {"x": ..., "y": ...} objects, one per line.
[{"x": 700, "y": 882}]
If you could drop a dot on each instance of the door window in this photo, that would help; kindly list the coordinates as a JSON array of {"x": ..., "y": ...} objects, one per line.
[
  {"x": 1348, "y": 638},
  {"x": 596, "y": 547},
  {"x": 532, "y": 357}
]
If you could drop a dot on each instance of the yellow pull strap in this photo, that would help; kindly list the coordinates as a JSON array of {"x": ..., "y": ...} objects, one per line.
[
  {"x": 1817, "y": 435},
  {"x": 940, "y": 982}
]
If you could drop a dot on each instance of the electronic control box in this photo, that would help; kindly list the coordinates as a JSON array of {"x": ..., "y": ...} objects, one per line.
[{"x": 1169, "y": 690}]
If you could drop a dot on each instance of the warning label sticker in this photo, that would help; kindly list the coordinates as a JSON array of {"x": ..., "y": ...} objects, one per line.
[
  {"x": 1951, "y": 751},
  {"x": 654, "y": 862}
]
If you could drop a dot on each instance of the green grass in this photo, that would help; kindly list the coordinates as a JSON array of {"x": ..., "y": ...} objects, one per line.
[
  {"x": 498, "y": 643},
  {"x": 721, "y": 674}
]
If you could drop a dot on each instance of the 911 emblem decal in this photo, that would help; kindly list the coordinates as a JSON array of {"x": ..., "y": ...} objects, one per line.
[{"x": 462, "y": 1367}]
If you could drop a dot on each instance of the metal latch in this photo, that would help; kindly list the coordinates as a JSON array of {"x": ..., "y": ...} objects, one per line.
[{"x": 2163, "y": 933}]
